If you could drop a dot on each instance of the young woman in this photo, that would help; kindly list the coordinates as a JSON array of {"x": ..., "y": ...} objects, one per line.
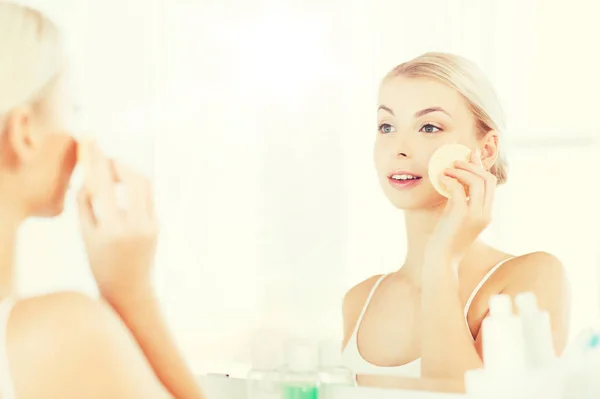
[
  {"x": 67, "y": 345},
  {"x": 424, "y": 320}
]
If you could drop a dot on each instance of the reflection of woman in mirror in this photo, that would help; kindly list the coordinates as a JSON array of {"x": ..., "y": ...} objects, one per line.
[
  {"x": 66, "y": 345},
  {"x": 424, "y": 319}
]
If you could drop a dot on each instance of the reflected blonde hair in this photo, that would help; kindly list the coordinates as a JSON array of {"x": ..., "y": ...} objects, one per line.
[
  {"x": 469, "y": 81},
  {"x": 32, "y": 55}
]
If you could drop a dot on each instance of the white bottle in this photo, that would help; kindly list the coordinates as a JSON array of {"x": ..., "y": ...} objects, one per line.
[
  {"x": 537, "y": 331},
  {"x": 503, "y": 346},
  {"x": 300, "y": 378},
  {"x": 504, "y": 371},
  {"x": 264, "y": 379},
  {"x": 332, "y": 372}
]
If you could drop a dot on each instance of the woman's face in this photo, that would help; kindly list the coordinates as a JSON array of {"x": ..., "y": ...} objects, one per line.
[
  {"x": 43, "y": 152},
  {"x": 415, "y": 117}
]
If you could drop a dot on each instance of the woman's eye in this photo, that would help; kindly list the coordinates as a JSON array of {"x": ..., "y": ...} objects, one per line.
[
  {"x": 386, "y": 128},
  {"x": 430, "y": 129}
]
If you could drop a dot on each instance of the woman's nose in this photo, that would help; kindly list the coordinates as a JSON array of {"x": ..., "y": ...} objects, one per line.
[{"x": 401, "y": 148}]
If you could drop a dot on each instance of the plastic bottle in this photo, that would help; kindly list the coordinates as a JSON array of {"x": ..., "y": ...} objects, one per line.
[
  {"x": 503, "y": 344},
  {"x": 332, "y": 372},
  {"x": 512, "y": 369},
  {"x": 504, "y": 372},
  {"x": 264, "y": 379},
  {"x": 537, "y": 331},
  {"x": 300, "y": 378}
]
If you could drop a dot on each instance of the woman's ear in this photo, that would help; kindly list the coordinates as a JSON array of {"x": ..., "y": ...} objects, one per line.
[
  {"x": 488, "y": 147},
  {"x": 20, "y": 134}
]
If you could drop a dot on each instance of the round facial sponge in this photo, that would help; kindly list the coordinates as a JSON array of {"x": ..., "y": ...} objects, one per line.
[{"x": 444, "y": 158}]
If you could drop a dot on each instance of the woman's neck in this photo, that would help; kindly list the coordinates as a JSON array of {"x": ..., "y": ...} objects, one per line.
[
  {"x": 420, "y": 225},
  {"x": 9, "y": 226}
]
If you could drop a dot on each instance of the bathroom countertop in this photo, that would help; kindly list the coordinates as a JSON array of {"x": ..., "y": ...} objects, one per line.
[{"x": 233, "y": 388}]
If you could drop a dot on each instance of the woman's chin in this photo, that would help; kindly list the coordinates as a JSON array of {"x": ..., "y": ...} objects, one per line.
[
  {"x": 56, "y": 205},
  {"x": 54, "y": 209},
  {"x": 45, "y": 213},
  {"x": 415, "y": 203}
]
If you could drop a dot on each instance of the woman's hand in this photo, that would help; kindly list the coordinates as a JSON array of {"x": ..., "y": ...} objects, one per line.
[
  {"x": 120, "y": 239},
  {"x": 465, "y": 217}
]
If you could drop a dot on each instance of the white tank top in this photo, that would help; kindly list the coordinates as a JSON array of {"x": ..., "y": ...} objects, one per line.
[
  {"x": 6, "y": 386},
  {"x": 353, "y": 359}
]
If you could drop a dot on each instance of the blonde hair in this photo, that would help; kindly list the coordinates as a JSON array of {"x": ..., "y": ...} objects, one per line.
[
  {"x": 32, "y": 55},
  {"x": 467, "y": 79}
]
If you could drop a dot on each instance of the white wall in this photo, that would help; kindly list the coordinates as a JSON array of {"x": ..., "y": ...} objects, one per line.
[{"x": 260, "y": 145}]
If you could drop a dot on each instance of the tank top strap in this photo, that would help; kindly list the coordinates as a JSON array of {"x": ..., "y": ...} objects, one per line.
[
  {"x": 480, "y": 284},
  {"x": 367, "y": 302}
]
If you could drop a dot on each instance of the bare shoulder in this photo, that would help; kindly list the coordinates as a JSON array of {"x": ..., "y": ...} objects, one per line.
[
  {"x": 544, "y": 275},
  {"x": 50, "y": 306},
  {"x": 357, "y": 295},
  {"x": 45, "y": 319},
  {"x": 60, "y": 316},
  {"x": 534, "y": 268},
  {"x": 72, "y": 345},
  {"x": 354, "y": 301}
]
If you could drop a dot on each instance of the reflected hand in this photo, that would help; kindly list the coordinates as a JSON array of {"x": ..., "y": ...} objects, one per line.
[
  {"x": 464, "y": 217},
  {"x": 120, "y": 239}
]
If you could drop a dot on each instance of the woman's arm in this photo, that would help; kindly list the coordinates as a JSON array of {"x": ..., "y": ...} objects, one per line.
[
  {"x": 120, "y": 240},
  {"x": 447, "y": 348},
  {"x": 142, "y": 314}
]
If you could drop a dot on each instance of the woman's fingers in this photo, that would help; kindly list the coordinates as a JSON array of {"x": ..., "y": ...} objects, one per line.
[
  {"x": 455, "y": 188},
  {"x": 86, "y": 210},
  {"x": 475, "y": 184},
  {"x": 136, "y": 191},
  {"x": 489, "y": 180},
  {"x": 113, "y": 192},
  {"x": 100, "y": 184}
]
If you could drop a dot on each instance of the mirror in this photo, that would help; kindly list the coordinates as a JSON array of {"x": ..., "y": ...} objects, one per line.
[{"x": 258, "y": 128}]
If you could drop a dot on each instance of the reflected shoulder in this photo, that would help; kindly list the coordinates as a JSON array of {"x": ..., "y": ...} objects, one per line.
[
  {"x": 358, "y": 294},
  {"x": 354, "y": 301},
  {"x": 532, "y": 266},
  {"x": 544, "y": 275}
]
